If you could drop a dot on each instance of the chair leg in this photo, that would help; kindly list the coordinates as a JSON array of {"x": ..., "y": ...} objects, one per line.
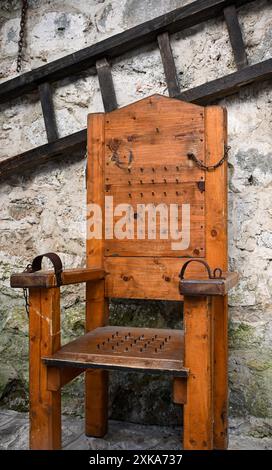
[
  {"x": 96, "y": 381},
  {"x": 220, "y": 312},
  {"x": 96, "y": 403},
  {"x": 198, "y": 410},
  {"x": 44, "y": 339}
]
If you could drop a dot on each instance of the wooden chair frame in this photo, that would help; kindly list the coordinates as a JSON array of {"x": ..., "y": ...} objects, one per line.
[{"x": 199, "y": 365}]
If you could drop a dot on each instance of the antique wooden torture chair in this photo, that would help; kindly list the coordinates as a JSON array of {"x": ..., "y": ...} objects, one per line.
[{"x": 156, "y": 151}]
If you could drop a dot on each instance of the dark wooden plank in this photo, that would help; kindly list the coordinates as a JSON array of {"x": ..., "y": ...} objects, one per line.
[
  {"x": 168, "y": 64},
  {"x": 202, "y": 94},
  {"x": 176, "y": 20},
  {"x": 106, "y": 85},
  {"x": 47, "y": 279},
  {"x": 236, "y": 38},
  {"x": 124, "y": 348},
  {"x": 229, "y": 84},
  {"x": 39, "y": 155},
  {"x": 194, "y": 287},
  {"x": 45, "y": 91}
]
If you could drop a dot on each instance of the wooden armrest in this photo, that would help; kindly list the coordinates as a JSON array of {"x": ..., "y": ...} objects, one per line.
[
  {"x": 217, "y": 286},
  {"x": 48, "y": 279}
]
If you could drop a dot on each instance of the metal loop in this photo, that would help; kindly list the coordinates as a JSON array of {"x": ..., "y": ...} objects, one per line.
[
  {"x": 212, "y": 275},
  {"x": 184, "y": 267},
  {"x": 55, "y": 260},
  {"x": 220, "y": 272},
  {"x": 28, "y": 268}
]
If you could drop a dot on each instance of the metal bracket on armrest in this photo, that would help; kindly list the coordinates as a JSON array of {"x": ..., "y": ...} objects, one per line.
[{"x": 218, "y": 282}]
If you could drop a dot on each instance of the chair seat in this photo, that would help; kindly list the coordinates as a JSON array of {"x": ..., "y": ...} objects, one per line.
[{"x": 141, "y": 349}]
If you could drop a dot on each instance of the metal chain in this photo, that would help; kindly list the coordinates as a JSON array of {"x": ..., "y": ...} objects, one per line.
[
  {"x": 26, "y": 301},
  {"x": 204, "y": 167},
  {"x": 21, "y": 35},
  {"x": 25, "y": 292}
]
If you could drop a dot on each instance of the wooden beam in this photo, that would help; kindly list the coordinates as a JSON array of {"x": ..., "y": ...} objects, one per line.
[
  {"x": 44, "y": 339},
  {"x": 236, "y": 38},
  {"x": 218, "y": 286},
  {"x": 47, "y": 279},
  {"x": 46, "y": 97},
  {"x": 42, "y": 154},
  {"x": 58, "y": 377},
  {"x": 216, "y": 207},
  {"x": 106, "y": 85},
  {"x": 97, "y": 307},
  {"x": 203, "y": 94},
  {"x": 229, "y": 84},
  {"x": 176, "y": 20},
  {"x": 180, "y": 390},
  {"x": 168, "y": 64},
  {"x": 198, "y": 358}
]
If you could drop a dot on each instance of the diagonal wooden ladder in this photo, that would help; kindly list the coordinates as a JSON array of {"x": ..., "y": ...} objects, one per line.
[{"x": 98, "y": 55}]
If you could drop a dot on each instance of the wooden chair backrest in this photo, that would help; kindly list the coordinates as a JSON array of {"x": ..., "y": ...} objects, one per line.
[{"x": 139, "y": 155}]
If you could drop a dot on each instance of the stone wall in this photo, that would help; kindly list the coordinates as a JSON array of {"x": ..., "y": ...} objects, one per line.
[{"x": 45, "y": 209}]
